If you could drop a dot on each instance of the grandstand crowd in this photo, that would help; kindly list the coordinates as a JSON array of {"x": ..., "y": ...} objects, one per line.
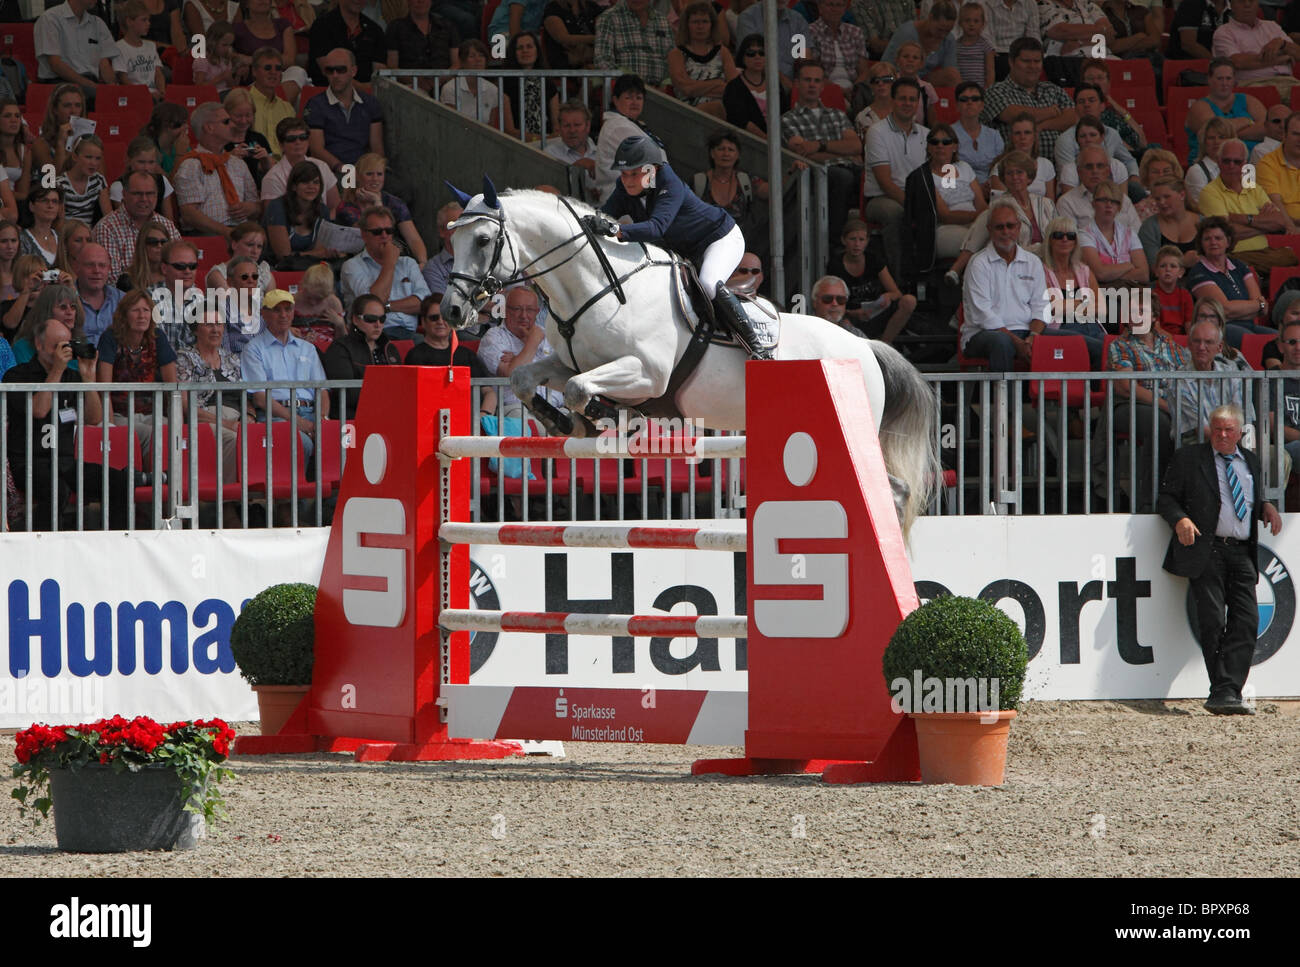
[{"x": 1115, "y": 184}]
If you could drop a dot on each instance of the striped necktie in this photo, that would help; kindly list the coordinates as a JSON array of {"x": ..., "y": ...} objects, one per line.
[{"x": 1234, "y": 485}]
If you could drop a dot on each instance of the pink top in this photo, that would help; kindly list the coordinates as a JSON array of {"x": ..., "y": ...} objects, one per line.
[{"x": 1235, "y": 37}]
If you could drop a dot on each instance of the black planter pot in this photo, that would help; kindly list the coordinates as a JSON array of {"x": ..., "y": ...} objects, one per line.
[{"x": 100, "y": 810}]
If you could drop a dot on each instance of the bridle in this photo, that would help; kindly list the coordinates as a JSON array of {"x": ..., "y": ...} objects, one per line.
[{"x": 487, "y": 286}]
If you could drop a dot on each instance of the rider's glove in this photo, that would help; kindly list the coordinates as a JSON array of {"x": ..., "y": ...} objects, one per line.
[{"x": 600, "y": 225}]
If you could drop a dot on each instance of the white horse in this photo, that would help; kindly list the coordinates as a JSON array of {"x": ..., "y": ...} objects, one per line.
[{"x": 627, "y": 350}]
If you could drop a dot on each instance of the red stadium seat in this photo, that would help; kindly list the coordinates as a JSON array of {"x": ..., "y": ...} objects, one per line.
[
  {"x": 16, "y": 40},
  {"x": 1173, "y": 68},
  {"x": 1133, "y": 73},
  {"x": 944, "y": 108},
  {"x": 1252, "y": 347},
  {"x": 38, "y": 96},
  {"x": 1054, "y": 353},
  {"x": 118, "y": 126},
  {"x": 288, "y": 280},
  {"x": 1277, "y": 277},
  {"x": 307, "y": 94},
  {"x": 1266, "y": 95},
  {"x": 183, "y": 72},
  {"x": 123, "y": 99},
  {"x": 211, "y": 249},
  {"x": 1153, "y": 125},
  {"x": 114, "y": 160},
  {"x": 190, "y": 96},
  {"x": 403, "y": 346}
]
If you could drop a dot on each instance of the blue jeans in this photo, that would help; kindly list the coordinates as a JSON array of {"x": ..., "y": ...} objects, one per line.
[{"x": 997, "y": 347}]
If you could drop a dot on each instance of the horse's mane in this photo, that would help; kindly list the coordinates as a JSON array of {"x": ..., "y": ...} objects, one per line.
[{"x": 579, "y": 206}]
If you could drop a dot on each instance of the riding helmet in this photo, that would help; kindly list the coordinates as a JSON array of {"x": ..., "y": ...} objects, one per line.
[{"x": 638, "y": 150}]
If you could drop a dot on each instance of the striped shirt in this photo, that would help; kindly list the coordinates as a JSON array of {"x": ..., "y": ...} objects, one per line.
[
  {"x": 970, "y": 61},
  {"x": 83, "y": 205}
]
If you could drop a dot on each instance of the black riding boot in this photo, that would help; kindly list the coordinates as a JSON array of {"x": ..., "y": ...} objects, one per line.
[{"x": 732, "y": 314}]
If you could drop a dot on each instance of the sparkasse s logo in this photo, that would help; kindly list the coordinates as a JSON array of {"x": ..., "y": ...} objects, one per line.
[{"x": 1275, "y": 593}]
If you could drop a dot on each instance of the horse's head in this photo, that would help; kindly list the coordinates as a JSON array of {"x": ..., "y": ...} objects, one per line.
[{"x": 484, "y": 259}]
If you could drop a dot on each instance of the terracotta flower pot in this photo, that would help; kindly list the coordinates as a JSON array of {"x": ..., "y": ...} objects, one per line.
[
  {"x": 275, "y": 703},
  {"x": 957, "y": 747}
]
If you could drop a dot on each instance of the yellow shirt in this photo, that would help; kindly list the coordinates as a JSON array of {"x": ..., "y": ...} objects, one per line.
[
  {"x": 1217, "y": 199},
  {"x": 1277, "y": 177},
  {"x": 268, "y": 112}
]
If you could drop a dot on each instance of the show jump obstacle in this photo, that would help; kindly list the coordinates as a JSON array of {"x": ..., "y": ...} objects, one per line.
[{"x": 827, "y": 582}]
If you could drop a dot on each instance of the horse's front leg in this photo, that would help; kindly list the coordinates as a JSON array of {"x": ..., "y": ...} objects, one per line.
[
  {"x": 525, "y": 381},
  {"x": 622, "y": 379}
]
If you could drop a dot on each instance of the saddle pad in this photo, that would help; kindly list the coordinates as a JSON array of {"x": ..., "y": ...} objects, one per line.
[{"x": 762, "y": 313}]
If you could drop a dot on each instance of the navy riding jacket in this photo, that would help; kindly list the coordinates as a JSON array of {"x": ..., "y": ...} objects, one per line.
[{"x": 670, "y": 214}]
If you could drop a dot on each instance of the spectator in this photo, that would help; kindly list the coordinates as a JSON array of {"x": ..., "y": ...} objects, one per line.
[
  {"x": 1244, "y": 113},
  {"x": 826, "y": 135},
  {"x": 1005, "y": 296},
  {"x": 198, "y": 15},
  {"x": 1279, "y": 172},
  {"x": 1206, "y": 169},
  {"x": 168, "y": 128},
  {"x": 1288, "y": 322},
  {"x": 119, "y": 232},
  {"x": 98, "y": 299},
  {"x": 209, "y": 361},
  {"x": 248, "y": 146},
  {"x": 368, "y": 193},
  {"x": 829, "y": 297},
  {"x": 365, "y": 344},
  {"x": 1192, "y": 32},
  {"x": 276, "y": 355},
  {"x": 220, "y": 68},
  {"x": 1248, "y": 209},
  {"x": 247, "y": 239},
  {"x": 943, "y": 199},
  {"x": 574, "y": 147},
  {"x": 85, "y": 190},
  {"x": 895, "y": 148},
  {"x": 734, "y": 191},
  {"x": 513, "y": 17},
  {"x": 1274, "y": 129},
  {"x": 747, "y": 279},
  {"x": 975, "y": 54},
  {"x": 380, "y": 270},
  {"x": 1015, "y": 168},
  {"x": 529, "y": 102},
  {"x": 317, "y": 311},
  {"x": 8, "y": 256},
  {"x": 142, "y": 155},
  {"x": 1008, "y": 21},
  {"x": 144, "y": 271},
  {"x": 74, "y": 46},
  {"x": 977, "y": 145},
  {"x": 29, "y": 280},
  {"x": 56, "y": 300},
  {"x": 471, "y": 95},
  {"x": 1088, "y": 103},
  {"x": 699, "y": 68},
  {"x": 214, "y": 193},
  {"x": 1072, "y": 286},
  {"x": 634, "y": 38},
  {"x": 1157, "y": 164},
  {"x": 1113, "y": 114},
  {"x": 517, "y": 342},
  {"x": 438, "y": 268},
  {"x": 270, "y": 110},
  {"x": 879, "y": 20},
  {"x": 422, "y": 40},
  {"x": 841, "y": 46},
  {"x": 1022, "y": 92},
  {"x": 1069, "y": 27},
  {"x": 1173, "y": 302},
  {"x": 435, "y": 350},
  {"x": 15, "y": 157},
  {"x": 1094, "y": 170},
  {"x": 619, "y": 123},
  {"x": 165, "y": 27},
  {"x": 1024, "y": 138},
  {"x": 73, "y": 234},
  {"x": 875, "y": 303},
  {"x": 569, "y": 34},
  {"x": 910, "y": 59},
  {"x": 259, "y": 30},
  {"x": 177, "y": 302},
  {"x": 134, "y": 350},
  {"x": 346, "y": 27},
  {"x": 1139, "y": 406},
  {"x": 1138, "y": 28},
  {"x": 293, "y": 221},
  {"x": 293, "y": 136},
  {"x": 1110, "y": 248},
  {"x": 46, "y": 205},
  {"x": 50, "y": 147},
  {"x": 880, "y": 79},
  {"x": 1171, "y": 225},
  {"x": 1228, "y": 282},
  {"x": 51, "y": 364},
  {"x": 1089, "y": 133},
  {"x": 1197, "y": 399},
  {"x": 137, "y": 60},
  {"x": 938, "y": 46},
  {"x": 1259, "y": 49}
]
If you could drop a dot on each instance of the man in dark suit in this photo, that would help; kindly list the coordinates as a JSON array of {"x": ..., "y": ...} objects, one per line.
[{"x": 1211, "y": 498}]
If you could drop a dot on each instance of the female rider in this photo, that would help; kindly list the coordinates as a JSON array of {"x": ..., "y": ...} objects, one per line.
[{"x": 665, "y": 211}]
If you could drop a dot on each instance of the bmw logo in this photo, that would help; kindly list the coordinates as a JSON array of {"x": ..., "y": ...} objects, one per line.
[
  {"x": 1275, "y": 593},
  {"x": 483, "y": 594}
]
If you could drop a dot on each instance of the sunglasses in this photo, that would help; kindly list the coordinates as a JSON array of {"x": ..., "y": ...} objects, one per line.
[
  {"x": 335, "y": 70},
  {"x": 941, "y": 142},
  {"x": 370, "y": 317},
  {"x": 1231, "y": 161},
  {"x": 755, "y": 52},
  {"x": 884, "y": 79},
  {"x": 246, "y": 278},
  {"x": 747, "y": 271},
  {"x": 184, "y": 266},
  {"x": 155, "y": 241},
  {"x": 1067, "y": 236},
  {"x": 290, "y": 138},
  {"x": 839, "y": 300},
  {"x": 435, "y": 317},
  {"x": 386, "y": 230},
  {"x": 970, "y": 99},
  {"x": 272, "y": 67}
]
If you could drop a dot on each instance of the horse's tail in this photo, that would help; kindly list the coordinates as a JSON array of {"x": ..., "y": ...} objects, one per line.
[{"x": 907, "y": 431}]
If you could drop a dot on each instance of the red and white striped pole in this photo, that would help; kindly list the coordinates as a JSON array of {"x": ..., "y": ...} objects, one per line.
[
  {"x": 592, "y": 448},
  {"x": 594, "y": 535},
  {"x": 602, "y": 625}
]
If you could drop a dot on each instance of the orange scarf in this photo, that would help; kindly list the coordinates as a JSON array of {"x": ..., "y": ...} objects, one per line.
[{"x": 214, "y": 162}]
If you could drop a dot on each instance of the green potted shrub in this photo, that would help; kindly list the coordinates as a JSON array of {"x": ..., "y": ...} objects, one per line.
[
  {"x": 273, "y": 642},
  {"x": 956, "y": 666}
]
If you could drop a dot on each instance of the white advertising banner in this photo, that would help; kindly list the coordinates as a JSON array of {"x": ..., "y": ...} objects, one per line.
[{"x": 100, "y": 624}]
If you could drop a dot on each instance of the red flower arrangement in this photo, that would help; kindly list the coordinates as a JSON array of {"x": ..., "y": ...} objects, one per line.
[{"x": 194, "y": 750}]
